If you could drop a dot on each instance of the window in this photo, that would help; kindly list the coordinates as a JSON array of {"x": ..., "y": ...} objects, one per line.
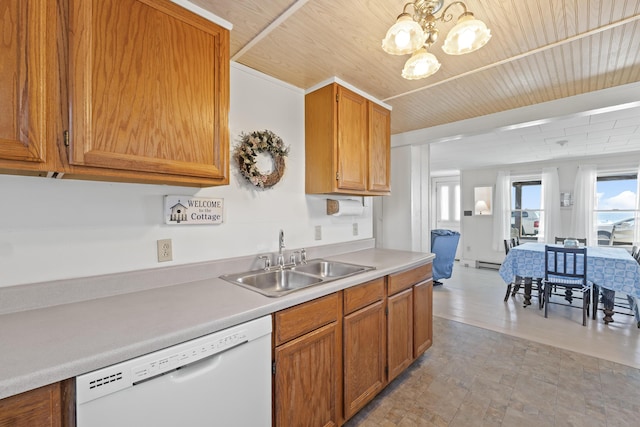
[
  {"x": 616, "y": 209},
  {"x": 447, "y": 203},
  {"x": 525, "y": 209}
]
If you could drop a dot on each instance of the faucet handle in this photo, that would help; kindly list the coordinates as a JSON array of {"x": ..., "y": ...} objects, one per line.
[
  {"x": 292, "y": 258},
  {"x": 267, "y": 261},
  {"x": 303, "y": 255}
]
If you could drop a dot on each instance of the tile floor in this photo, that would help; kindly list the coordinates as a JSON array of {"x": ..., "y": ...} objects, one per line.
[{"x": 500, "y": 364}]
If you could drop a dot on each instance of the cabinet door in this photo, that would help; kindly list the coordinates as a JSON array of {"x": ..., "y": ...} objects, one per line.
[
  {"x": 379, "y": 148},
  {"x": 306, "y": 381},
  {"x": 23, "y": 84},
  {"x": 39, "y": 407},
  {"x": 400, "y": 332},
  {"x": 422, "y": 317},
  {"x": 149, "y": 89},
  {"x": 352, "y": 140},
  {"x": 364, "y": 356}
]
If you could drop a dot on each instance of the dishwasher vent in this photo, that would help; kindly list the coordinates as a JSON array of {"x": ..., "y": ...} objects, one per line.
[
  {"x": 101, "y": 383},
  {"x": 105, "y": 380}
]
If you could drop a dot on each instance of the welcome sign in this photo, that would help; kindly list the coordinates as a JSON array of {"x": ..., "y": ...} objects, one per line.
[{"x": 192, "y": 210}]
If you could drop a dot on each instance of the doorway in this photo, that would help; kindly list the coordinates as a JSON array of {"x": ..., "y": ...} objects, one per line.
[{"x": 446, "y": 205}]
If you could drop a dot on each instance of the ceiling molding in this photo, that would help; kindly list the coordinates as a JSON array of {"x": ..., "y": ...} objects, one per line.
[
  {"x": 272, "y": 26},
  {"x": 552, "y": 110}
]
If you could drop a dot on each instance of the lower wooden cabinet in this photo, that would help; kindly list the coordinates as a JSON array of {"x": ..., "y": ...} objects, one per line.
[
  {"x": 410, "y": 319},
  {"x": 422, "y": 317},
  {"x": 306, "y": 380},
  {"x": 307, "y": 360},
  {"x": 400, "y": 332},
  {"x": 332, "y": 355},
  {"x": 364, "y": 346},
  {"x": 43, "y": 407}
]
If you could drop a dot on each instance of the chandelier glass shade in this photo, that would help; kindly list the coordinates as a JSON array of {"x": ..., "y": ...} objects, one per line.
[
  {"x": 404, "y": 37},
  {"x": 468, "y": 35},
  {"x": 421, "y": 64},
  {"x": 413, "y": 34}
]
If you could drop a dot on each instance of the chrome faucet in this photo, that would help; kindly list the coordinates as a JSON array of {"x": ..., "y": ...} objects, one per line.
[{"x": 280, "y": 261}]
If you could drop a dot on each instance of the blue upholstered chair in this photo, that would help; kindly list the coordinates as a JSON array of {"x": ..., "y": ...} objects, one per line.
[{"x": 443, "y": 244}]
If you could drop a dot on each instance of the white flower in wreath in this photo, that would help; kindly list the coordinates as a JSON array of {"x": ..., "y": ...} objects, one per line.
[{"x": 256, "y": 143}]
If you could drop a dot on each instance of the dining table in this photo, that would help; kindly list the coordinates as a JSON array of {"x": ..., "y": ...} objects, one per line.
[{"x": 610, "y": 270}]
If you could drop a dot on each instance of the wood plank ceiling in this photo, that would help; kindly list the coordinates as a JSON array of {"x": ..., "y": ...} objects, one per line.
[{"x": 541, "y": 50}]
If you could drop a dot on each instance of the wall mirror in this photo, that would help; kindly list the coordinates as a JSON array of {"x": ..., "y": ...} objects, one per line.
[{"x": 483, "y": 202}]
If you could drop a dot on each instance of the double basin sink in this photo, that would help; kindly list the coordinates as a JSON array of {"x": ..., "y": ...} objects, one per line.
[{"x": 281, "y": 281}]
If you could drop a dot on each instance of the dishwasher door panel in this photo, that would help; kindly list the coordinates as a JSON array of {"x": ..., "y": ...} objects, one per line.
[{"x": 229, "y": 389}]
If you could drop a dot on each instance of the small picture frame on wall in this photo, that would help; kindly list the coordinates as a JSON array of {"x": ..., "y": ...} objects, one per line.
[{"x": 483, "y": 201}]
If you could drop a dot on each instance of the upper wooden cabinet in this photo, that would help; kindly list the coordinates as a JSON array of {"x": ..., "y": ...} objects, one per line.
[
  {"x": 379, "y": 148},
  {"x": 347, "y": 143},
  {"x": 122, "y": 90},
  {"x": 27, "y": 64},
  {"x": 149, "y": 90}
]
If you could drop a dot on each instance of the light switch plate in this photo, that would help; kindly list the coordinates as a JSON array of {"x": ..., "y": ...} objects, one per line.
[{"x": 318, "y": 232}]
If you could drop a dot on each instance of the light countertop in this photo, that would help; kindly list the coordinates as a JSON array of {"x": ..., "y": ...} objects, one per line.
[{"x": 48, "y": 344}]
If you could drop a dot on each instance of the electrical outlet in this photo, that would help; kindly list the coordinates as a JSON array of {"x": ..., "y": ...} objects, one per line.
[
  {"x": 165, "y": 251},
  {"x": 318, "y": 232},
  {"x": 355, "y": 228}
]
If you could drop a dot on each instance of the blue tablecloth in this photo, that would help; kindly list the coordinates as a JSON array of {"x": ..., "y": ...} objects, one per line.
[{"x": 607, "y": 267}]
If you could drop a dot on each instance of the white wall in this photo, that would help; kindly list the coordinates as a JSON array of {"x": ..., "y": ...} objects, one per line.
[
  {"x": 476, "y": 239},
  {"x": 402, "y": 219},
  {"x": 55, "y": 229}
]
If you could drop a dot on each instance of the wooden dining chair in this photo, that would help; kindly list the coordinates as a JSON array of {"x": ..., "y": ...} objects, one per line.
[
  {"x": 566, "y": 268},
  {"x": 623, "y": 304},
  {"x": 560, "y": 240},
  {"x": 515, "y": 285},
  {"x": 519, "y": 281}
]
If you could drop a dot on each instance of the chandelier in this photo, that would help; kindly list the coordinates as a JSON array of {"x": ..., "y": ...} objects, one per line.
[{"x": 416, "y": 33}]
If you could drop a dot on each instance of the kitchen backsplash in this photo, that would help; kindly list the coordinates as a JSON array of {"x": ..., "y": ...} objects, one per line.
[{"x": 54, "y": 229}]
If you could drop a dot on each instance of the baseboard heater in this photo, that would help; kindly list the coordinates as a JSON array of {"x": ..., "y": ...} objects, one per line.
[{"x": 489, "y": 265}]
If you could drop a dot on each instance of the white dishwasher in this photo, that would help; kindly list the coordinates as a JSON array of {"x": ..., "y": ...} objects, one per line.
[{"x": 221, "y": 379}]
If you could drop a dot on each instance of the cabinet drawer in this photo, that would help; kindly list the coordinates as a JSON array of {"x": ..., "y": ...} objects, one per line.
[
  {"x": 296, "y": 321},
  {"x": 408, "y": 278},
  {"x": 363, "y": 295}
]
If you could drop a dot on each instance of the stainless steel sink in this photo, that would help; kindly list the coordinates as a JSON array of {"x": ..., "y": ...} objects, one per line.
[
  {"x": 273, "y": 283},
  {"x": 278, "y": 282},
  {"x": 333, "y": 269}
]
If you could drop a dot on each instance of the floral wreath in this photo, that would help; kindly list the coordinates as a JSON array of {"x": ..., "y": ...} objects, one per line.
[{"x": 251, "y": 144}]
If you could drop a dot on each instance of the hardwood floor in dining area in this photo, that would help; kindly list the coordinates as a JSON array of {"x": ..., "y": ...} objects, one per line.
[{"x": 496, "y": 363}]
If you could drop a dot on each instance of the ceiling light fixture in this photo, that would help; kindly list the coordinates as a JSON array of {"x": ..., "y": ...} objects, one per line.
[{"x": 416, "y": 33}]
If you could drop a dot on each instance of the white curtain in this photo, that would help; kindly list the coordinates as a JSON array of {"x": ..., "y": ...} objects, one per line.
[
  {"x": 584, "y": 196},
  {"x": 502, "y": 211},
  {"x": 550, "y": 226},
  {"x": 636, "y": 232}
]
